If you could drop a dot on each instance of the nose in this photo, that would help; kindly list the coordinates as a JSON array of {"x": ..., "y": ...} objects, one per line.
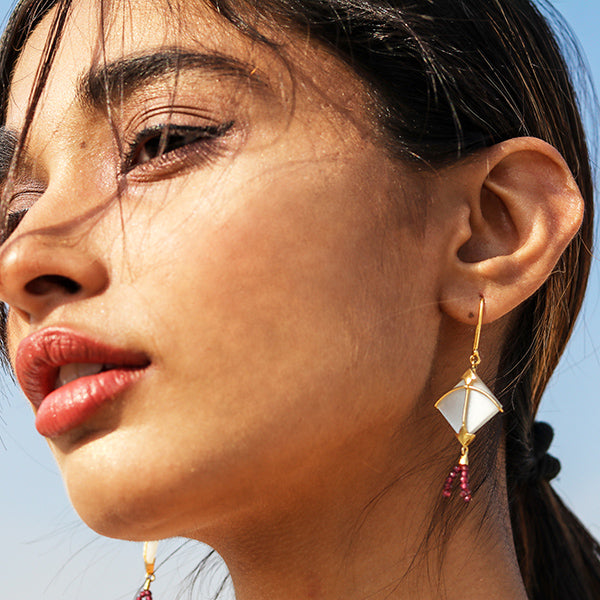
[{"x": 40, "y": 272}]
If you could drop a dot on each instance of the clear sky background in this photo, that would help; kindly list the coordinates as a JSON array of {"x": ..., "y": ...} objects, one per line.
[{"x": 45, "y": 552}]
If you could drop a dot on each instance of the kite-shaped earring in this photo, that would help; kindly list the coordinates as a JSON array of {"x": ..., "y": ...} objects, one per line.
[
  {"x": 468, "y": 406},
  {"x": 149, "y": 560}
]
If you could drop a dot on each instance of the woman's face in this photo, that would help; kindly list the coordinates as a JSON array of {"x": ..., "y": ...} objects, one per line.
[{"x": 218, "y": 227}]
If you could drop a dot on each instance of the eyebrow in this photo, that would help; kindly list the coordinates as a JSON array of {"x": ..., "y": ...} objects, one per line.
[{"x": 119, "y": 79}]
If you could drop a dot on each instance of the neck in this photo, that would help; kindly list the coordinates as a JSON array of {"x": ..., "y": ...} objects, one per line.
[{"x": 374, "y": 537}]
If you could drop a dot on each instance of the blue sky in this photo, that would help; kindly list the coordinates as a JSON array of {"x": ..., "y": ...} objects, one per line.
[{"x": 46, "y": 553}]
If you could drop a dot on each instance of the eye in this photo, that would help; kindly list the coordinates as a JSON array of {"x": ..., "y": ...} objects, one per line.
[
  {"x": 18, "y": 206},
  {"x": 164, "y": 143},
  {"x": 12, "y": 222}
]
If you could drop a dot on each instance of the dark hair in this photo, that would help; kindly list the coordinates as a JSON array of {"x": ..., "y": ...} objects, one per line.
[{"x": 451, "y": 77}]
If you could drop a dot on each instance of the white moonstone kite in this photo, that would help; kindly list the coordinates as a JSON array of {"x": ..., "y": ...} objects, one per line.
[{"x": 468, "y": 406}]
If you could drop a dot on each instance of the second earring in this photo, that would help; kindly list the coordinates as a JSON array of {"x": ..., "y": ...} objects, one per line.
[{"x": 149, "y": 560}]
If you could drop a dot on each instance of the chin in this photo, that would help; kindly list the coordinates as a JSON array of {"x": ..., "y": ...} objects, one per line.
[
  {"x": 115, "y": 493},
  {"x": 120, "y": 496},
  {"x": 125, "y": 511}
]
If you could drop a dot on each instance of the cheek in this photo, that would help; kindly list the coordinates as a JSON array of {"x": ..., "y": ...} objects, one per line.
[{"x": 284, "y": 299}]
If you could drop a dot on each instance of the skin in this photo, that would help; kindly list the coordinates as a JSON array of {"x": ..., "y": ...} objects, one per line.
[{"x": 300, "y": 322}]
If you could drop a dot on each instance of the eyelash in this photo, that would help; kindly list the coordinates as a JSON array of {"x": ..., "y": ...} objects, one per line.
[
  {"x": 12, "y": 222},
  {"x": 168, "y": 145}
]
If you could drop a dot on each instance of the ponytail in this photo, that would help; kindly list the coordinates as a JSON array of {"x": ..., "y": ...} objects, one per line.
[{"x": 558, "y": 558}]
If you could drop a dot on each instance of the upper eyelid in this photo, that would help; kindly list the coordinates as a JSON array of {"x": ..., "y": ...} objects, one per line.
[
  {"x": 9, "y": 153},
  {"x": 23, "y": 186},
  {"x": 15, "y": 212},
  {"x": 20, "y": 172},
  {"x": 165, "y": 112},
  {"x": 24, "y": 197}
]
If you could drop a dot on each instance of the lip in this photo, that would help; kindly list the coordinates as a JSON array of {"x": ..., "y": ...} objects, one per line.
[{"x": 37, "y": 364}]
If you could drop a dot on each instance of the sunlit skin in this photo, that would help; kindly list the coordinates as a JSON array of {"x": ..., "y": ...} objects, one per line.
[{"x": 303, "y": 299}]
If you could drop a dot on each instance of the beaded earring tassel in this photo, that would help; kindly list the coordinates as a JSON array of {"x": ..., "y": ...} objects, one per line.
[
  {"x": 468, "y": 406},
  {"x": 150, "y": 549}
]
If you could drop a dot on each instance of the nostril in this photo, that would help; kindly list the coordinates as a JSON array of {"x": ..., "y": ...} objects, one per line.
[{"x": 46, "y": 284}]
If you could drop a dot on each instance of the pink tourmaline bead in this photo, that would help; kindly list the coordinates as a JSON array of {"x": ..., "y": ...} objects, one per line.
[{"x": 465, "y": 491}]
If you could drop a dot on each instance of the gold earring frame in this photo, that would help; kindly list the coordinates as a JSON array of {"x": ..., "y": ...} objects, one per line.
[{"x": 467, "y": 407}]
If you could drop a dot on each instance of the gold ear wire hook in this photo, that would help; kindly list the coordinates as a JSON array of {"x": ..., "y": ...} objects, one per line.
[{"x": 475, "y": 358}]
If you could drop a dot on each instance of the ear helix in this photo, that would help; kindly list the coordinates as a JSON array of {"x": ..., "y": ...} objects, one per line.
[{"x": 468, "y": 406}]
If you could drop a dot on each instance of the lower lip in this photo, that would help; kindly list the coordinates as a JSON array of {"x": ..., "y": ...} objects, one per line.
[{"x": 71, "y": 405}]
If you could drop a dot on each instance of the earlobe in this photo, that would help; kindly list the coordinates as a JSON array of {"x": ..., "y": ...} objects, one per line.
[{"x": 524, "y": 209}]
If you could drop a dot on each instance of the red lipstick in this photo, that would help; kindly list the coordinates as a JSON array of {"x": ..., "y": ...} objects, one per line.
[{"x": 61, "y": 408}]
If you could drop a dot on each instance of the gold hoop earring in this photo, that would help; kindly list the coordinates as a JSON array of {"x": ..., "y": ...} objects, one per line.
[{"x": 468, "y": 406}]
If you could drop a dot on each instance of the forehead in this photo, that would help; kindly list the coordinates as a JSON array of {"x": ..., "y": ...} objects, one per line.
[{"x": 92, "y": 38}]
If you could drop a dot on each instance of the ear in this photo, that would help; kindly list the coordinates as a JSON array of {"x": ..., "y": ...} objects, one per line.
[{"x": 516, "y": 208}]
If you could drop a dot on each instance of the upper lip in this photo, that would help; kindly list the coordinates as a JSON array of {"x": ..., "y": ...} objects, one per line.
[{"x": 40, "y": 356}]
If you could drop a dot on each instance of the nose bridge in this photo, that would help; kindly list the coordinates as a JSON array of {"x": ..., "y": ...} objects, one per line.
[{"x": 43, "y": 268}]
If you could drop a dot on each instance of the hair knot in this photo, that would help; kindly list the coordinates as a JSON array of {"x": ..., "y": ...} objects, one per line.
[{"x": 546, "y": 467}]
